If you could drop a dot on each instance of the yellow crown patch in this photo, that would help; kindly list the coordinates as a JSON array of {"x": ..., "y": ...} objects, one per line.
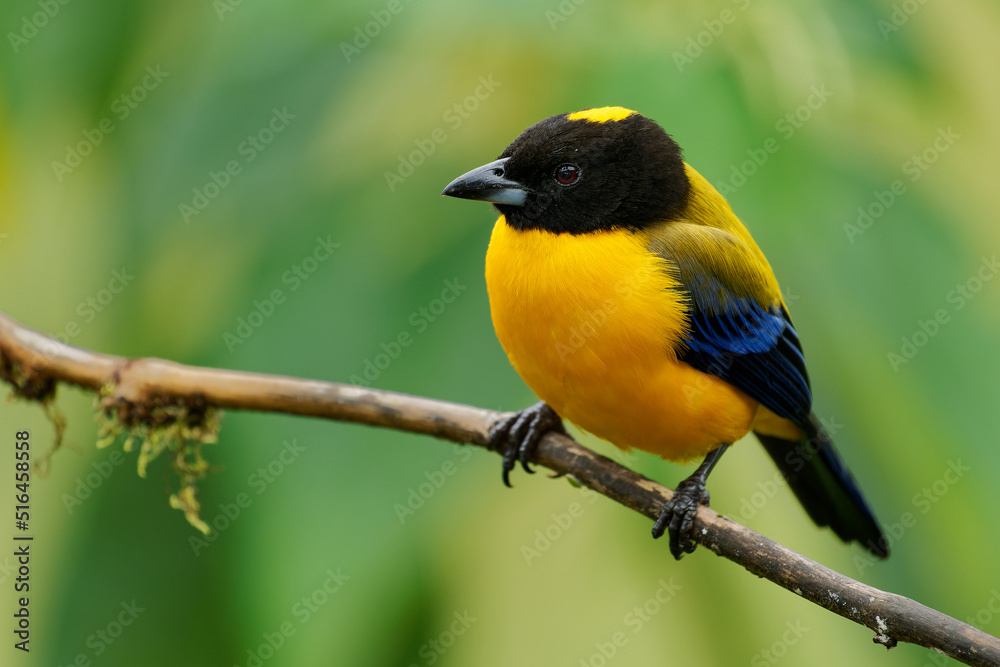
[{"x": 601, "y": 114}]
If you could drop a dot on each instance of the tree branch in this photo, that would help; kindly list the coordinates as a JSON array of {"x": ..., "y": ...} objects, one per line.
[{"x": 34, "y": 364}]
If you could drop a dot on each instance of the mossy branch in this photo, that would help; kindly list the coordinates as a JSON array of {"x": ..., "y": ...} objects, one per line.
[{"x": 150, "y": 396}]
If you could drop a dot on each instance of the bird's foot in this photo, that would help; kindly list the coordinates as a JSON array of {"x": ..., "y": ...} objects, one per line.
[
  {"x": 677, "y": 516},
  {"x": 518, "y": 436}
]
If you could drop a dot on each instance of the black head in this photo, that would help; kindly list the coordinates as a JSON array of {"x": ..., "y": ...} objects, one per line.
[{"x": 599, "y": 169}]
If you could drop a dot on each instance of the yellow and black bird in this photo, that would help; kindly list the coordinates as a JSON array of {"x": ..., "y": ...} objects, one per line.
[{"x": 633, "y": 301}]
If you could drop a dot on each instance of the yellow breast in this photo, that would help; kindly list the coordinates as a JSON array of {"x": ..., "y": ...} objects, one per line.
[{"x": 592, "y": 323}]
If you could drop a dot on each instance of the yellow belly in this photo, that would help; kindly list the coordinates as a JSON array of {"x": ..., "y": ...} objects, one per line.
[{"x": 591, "y": 322}]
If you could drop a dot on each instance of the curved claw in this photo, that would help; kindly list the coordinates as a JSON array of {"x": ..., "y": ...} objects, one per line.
[
  {"x": 677, "y": 516},
  {"x": 519, "y": 434}
]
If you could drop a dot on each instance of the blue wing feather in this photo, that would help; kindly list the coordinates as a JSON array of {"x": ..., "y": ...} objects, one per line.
[{"x": 754, "y": 349}]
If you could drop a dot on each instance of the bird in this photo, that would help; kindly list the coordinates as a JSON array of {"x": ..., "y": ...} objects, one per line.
[{"x": 633, "y": 301}]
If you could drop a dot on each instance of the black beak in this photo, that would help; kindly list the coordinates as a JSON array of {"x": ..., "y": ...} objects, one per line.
[{"x": 488, "y": 183}]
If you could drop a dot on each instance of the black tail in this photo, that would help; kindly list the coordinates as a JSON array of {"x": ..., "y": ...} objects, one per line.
[{"x": 825, "y": 487}]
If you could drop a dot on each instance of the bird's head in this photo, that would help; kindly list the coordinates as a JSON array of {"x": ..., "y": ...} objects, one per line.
[{"x": 598, "y": 169}]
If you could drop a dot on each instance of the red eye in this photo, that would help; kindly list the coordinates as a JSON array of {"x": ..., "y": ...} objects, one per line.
[{"x": 567, "y": 174}]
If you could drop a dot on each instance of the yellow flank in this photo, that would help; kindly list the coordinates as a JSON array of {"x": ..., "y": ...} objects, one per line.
[
  {"x": 591, "y": 322},
  {"x": 601, "y": 114},
  {"x": 769, "y": 423}
]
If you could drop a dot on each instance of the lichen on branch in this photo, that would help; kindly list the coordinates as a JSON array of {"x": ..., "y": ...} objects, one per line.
[{"x": 180, "y": 426}]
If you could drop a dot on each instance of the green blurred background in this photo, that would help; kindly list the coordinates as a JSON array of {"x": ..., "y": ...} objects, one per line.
[{"x": 309, "y": 118}]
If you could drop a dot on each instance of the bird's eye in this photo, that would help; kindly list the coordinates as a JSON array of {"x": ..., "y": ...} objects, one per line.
[{"x": 567, "y": 174}]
